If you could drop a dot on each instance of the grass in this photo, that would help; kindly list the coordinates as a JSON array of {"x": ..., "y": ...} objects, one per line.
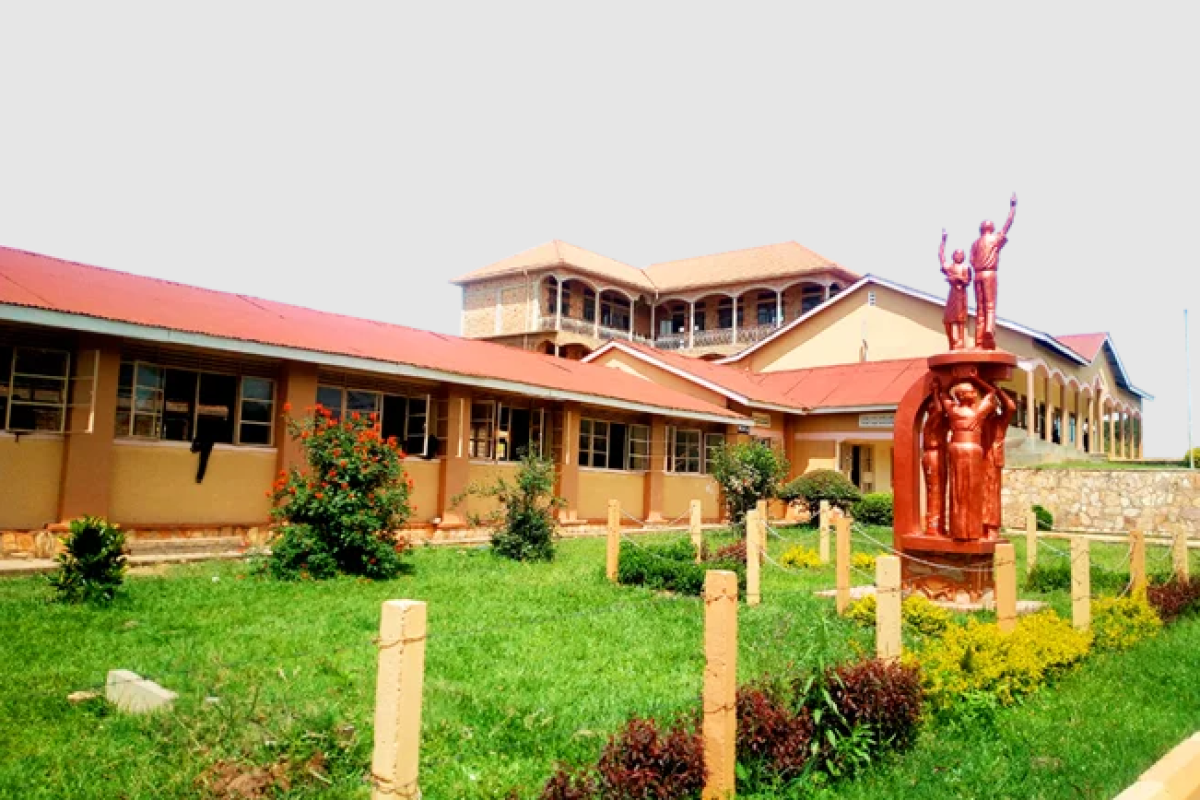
[{"x": 526, "y": 665}]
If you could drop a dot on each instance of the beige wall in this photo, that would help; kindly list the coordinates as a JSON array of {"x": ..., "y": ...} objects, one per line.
[
  {"x": 425, "y": 477},
  {"x": 484, "y": 475},
  {"x": 680, "y": 490},
  {"x": 480, "y": 302},
  {"x": 598, "y": 486},
  {"x": 30, "y": 469},
  {"x": 155, "y": 484}
]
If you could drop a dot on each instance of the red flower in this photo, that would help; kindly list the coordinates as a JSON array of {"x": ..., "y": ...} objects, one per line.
[
  {"x": 287, "y": 408},
  {"x": 319, "y": 495}
]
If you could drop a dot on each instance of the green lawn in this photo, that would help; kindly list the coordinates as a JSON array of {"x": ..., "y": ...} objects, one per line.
[{"x": 526, "y": 664}]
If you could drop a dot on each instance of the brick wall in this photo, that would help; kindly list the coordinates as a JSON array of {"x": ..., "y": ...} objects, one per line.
[{"x": 479, "y": 307}]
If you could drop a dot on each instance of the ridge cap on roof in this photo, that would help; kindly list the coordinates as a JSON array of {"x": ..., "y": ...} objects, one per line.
[{"x": 740, "y": 250}]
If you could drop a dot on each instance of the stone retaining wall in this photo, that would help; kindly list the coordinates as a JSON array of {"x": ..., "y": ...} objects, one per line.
[{"x": 1115, "y": 500}]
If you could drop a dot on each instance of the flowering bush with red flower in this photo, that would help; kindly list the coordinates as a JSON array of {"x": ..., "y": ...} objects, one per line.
[{"x": 338, "y": 514}]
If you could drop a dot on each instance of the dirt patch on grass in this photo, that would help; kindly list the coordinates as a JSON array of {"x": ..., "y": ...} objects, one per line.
[{"x": 229, "y": 780}]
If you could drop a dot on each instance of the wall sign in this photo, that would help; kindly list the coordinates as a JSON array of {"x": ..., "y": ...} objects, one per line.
[
  {"x": 762, "y": 420},
  {"x": 876, "y": 420}
]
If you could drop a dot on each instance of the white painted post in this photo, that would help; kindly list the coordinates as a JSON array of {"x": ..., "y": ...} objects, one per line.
[
  {"x": 823, "y": 552},
  {"x": 694, "y": 527},
  {"x": 1006, "y": 587},
  {"x": 1081, "y": 583},
  {"x": 398, "y": 691},
  {"x": 843, "y": 563},
  {"x": 1179, "y": 552},
  {"x": 720, "y": 684},
  {"x": 753, "y": 559},
  {"x": 1031, "y": 541},
  {"x": 614, "y": 539},
  {"x": 887, "y": 608}
]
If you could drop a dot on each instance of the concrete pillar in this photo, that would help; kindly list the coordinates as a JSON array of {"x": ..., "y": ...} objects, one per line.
[
  {"x": 1030, "y": 403},
  {"x": 778, "y": 308},
  {"x": 654, "y": 486},
  {"x": 1006, "y": 587},
  {"x": 719, "y": 726},
  {"x": 694, "y": 520},
  {"x": 737, "y": 302},
  {"x": 568, "y": 471},
  {"x": 887, "y": 608},
  {"x": 297, "y": 390},
  {"x": 823, "y": 542},
  {"x": 399, "y": 687},
  {"x": 1079, "y": 412},
  {"x": 1081, "y": 583},
  {"x": 1179, "y": 555},
  {"x": 1031, "y": 541},
  {"x": 456, "y": 463},
  {"x": 558, "y": 307},
  {"x": 613, "y": 550},
  {"x": 85, "y": 485},
  {"x": 1140, "y": 440},
  {"x": 691, "y": 332},
  {"x": 1112, "y": 433},
  {"x": 1048, "y": 413},
  {"x": 596, "y": 315}
]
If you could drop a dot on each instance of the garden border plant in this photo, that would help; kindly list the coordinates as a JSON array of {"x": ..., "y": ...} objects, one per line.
[
  {"x": 524, "y": 522},
  {"x": 92, "y": 566}
]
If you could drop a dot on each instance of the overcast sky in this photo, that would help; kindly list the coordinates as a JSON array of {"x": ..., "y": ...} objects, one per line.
[{"x": 354, "y": 157}]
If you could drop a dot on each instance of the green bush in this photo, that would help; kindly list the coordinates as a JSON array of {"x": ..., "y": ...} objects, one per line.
[
  {"x": 1056, "y": 576},
  {"x": 874, "y": 509},
  {"x": 523, "y": 525},
  {"x": 822, "y": 484},
  {"x": 1121, "y": 622},
  {"x": 1045, "y": 520},
  {"x": 92, "y": 568},
  {"x": 1195, "y": 454},
  {"x": 747, "y": 472},
  {"x": 671, "y": 567}
]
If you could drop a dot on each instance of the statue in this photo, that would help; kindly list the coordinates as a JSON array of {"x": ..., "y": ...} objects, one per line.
[
  {"x": 985, "y": 258},
  {"x": 995, "y": 428},
  {"x": 958, "y": 275},
  {"x": 966, "y": 414},
  {"x": 933, "y": 464}
]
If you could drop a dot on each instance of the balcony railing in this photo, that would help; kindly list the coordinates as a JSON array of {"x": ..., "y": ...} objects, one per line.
[
  {"x": 582, "y": 326},
  {"x": 715, "y": 338}
]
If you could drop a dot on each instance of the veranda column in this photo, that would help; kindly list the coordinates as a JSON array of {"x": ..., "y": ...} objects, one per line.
[
  {"x": 654, "y": 487},
  {"x": 778, "y": 308},
  {"x": 596, "y": 315},
  {"x": 1048, "y": 411},
  {"x": 1030, "y": 404},
  {"x": 1079, "y": 419},
  {"x": 691, "y": 323},
  {"x": 653, "y": 332},
  {"x": 456, "y": 462},
  {"x": 558, "y": 306},
  {"x": 737, "y": 302},
  {"x": 826, "y": 298},
  {"x": 297, "y": 387},
  {"x": 1110, "y": 451},
  {"x": 568, "y": 486}
]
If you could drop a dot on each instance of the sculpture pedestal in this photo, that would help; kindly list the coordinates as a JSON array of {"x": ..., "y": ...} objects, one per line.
[{"x": 944, "y": 569}]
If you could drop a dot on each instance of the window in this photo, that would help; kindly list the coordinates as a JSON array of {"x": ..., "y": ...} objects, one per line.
[
  {"x": 811, "y": 296},
  {"x": 180, "y": 405},
  {"x": 725, "y": 313},
  {"x": 33, "y": 389},
  {"x": 678, "y": 319},
  {"x": 551, "y": 295},
  {"x": 614, "y": 445},
  {"x": 407, "y": 419},
  {"x": 593, "y": 443},
  {"x": 712, "y": 443},
  {"x": 700, "y": 316},
  {"x": 639, "y": 448},
  {"x": 589, "y": 305},
  {"x": 686, "y": 453},
  {"x": 766, "y": 308},
  {"x": 614, "y": 312},
  {"x": 483, "y": 428}
]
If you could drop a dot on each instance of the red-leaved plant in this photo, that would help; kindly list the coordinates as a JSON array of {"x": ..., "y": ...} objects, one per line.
[
  {"x": 774, "y": 740},
  {"x": 885, "y": 697},
  {"x": 1175, "y": 598}
]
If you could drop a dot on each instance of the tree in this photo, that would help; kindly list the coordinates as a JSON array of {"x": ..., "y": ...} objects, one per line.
[
  {"x": 747, "y": 472},
  {"x": 523, "y": 524}
]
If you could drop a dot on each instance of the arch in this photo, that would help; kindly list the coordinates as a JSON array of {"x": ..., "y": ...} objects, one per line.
[{"x": 812, "y": 294}]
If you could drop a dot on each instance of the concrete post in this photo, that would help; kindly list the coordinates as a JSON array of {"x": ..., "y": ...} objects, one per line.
[
  {"x": 614, "y": 539},
  {"x": 1048, "y": 411},
  {"x": 558, "y": 309},
  {"x": 887, "y": 608},
  {"x": 1030, "y": 403},
  {"x": 1006, "y": 587},
  {"x": 823, "y": 546},
  {"x": 720, "y": 684},
  {"x": 761, "y": 508},
  {"x": 843, "y": 563},
  {"x": 1031, "y": 541},
  {"x": 753, "y": 559},
  {"x": 1179, "y": 552},
  {"x": 694, "y": 527},
  {"x": 1137, "y": 562},
  {"x": 1081, "y": 583},
  {"x": 398, "y": 690},
  {"x": 1112, "y": 436}
]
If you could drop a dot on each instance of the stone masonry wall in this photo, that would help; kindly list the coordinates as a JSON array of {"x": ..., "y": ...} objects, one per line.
[
  {"x": 1114, "y": 501},
  {"x": 479, "y": 307}
]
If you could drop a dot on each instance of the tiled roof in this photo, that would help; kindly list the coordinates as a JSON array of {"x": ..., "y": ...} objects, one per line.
[
  {"x": 769, "y": 262},
  {"x": 1085, "y": 344},
  {"x": 560, "y": 254},
  {"x": 869, "y": 383},
  {"x": 42, "y": 282}
]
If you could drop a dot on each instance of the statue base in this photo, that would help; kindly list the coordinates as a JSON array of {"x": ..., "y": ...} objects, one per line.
[{"x": 943, "y": 569}]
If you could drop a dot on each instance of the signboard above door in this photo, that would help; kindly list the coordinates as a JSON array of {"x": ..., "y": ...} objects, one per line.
[{"x": 876, "y": 420}]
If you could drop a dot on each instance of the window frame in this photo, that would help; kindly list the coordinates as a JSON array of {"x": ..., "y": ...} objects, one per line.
[
  {"x": 674, "y": 458},
  {"x": 11, "y": 394}
]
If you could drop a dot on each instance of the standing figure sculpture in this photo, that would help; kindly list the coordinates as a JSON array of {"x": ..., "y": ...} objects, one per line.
[
  {"x": 933, "y": 464},
  {"x": 966, "y": 414},
  {"x": 985, "y": 258},
  {"x": 958, "y": 275},
  {"x": 995, "y": 428}
]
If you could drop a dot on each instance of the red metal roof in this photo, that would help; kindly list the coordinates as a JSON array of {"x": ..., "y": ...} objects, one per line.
[
  {"x": 37, "y": 281},
  {"x": 1085, "y": 344},
  {"x": 870, "y": 383}
]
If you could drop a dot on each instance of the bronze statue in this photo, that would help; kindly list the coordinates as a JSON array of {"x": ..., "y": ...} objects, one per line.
[
  {"x": 985, "y": 258},
  {"x": 995, "y": 428},
  {"x": 958, "y": 275},
  {"x": 933, "y": 463},
  {"x": 966, "y": 414}
]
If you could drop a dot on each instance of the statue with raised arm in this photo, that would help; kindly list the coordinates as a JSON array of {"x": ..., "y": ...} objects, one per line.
[
  {"x": 985, "y": 259},
  {"x": 995, "y": 428},
  {"x": 966, "y": 414},
  {"x": 933, "y": 465},
  {"x": 958, "y": 275}
]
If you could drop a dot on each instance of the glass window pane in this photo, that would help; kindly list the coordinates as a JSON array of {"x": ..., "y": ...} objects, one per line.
[
  {"x": 257, "y": 389},
  {"x": 363, "y": 403},
  {"x": 39, "y": 390},
  {"x": 395, "y": 411},
  {"x": 256, "y": 434},
  {"x": 35, "y": 418},
  {"x": 51, "y": 363},
  {"x": 255, "y": 411},
  {"x": 145, "y": 425},
  {"x": 215, "y": 414},
  {"x": 330, "y": 398},
  {"x": 149, "y": 375},
  {"x": 179, "y": 401},
  {"x": 148, "y": 400}
]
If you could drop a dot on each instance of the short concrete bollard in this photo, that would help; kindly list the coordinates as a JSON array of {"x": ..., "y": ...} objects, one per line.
[
  {"x": 1176, "y": 775},
  {"x": 720, "y": 684},
  {"x": 887, "y": 608},
  {"x": 1081, "y": 583},
  {"x": 694, "y": 528},
  {"x": 1179, "y": 555},
  {"x": 399, "y": 685},
  {"x": 1006, "y": 587},
  {"x": 1031, "y": 541},
  {"x": 843, "y": 563},
  {"x": 613, "y": 552},
  {"x": 1137, "y": 563},
  {"x": 823, "y": 545},
  {"x": 133, "y": 694},
  {"x": 753, "y": 559}
]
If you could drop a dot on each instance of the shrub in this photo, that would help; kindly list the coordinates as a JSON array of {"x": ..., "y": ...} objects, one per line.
[
  {"x": 822, "y": 484},
  {"x": 1119, "y": 623},
  {"x": 1045, "y": 520},
  {"x": 567, "y": 784},
  {"x": 800, "y": 557},
  {"x": 747, "y": 472},
  {"x": 874, "y": 509},
  {"x": 862, "y": 611},
  {"x": 1195, "y": 457},
  {"x": 1174, "y": 598},
  {"x": 884, "y": 697},
  {"x": 671, "y": 567},
  {"x": 774, "y": 741},
  {"x": 92, "y": 568},
  {"x": 977, "y": 657},
  {"x": 734, "y": 551},
  {"x": 643, "y": 763},
  {"x": 1056, "y": 576},
  {"x": 339, "y": 514},
  {"x": 917, "y": 612},
  {"x": 523, "y": 525},
  {"x": 863, "y": 561}
]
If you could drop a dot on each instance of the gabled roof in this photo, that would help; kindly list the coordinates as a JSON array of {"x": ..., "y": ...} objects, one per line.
[
  {"x": 47, "y": 291},
  {"x": 554, "y": 254},
  {"x": 769, "y": 262},
  {"x": 1052, "y": 343},
  {"x": 1085, "y": 344}
]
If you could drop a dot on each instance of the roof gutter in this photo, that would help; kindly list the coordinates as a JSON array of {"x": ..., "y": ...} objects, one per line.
[{"x": 150, "y": 333}]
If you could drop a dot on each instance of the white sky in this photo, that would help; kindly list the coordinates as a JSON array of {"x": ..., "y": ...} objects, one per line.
[{"x": 354, "y": 157}]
